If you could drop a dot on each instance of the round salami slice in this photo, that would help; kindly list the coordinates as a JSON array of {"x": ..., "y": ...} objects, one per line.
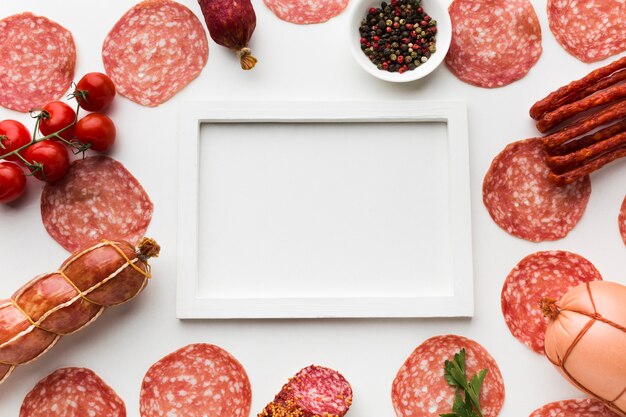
[
  {"x": 590, "y": 30},
  {"x": 537, "y": 276},
  {"x": 305, "y": 12},
  {"x": 494, "y": 42},
  {"x": 523, "y": 201},
  {"x": 97, "y": 199},
  {"x": 420, "y": 389},
  {"x": 154, "y": 50},
  {"x": 622, "y": 220},
  {"x": 197, "y": 380},
  {"x": 314, "y": 391},
  {"x": 37, "y": 59},
  {"x": 72, "y": 392},
  {"x": 586, "y": 407}
]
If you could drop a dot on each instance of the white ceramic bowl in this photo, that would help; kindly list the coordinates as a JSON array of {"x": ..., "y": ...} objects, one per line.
[{"x": 435, "y": 8}]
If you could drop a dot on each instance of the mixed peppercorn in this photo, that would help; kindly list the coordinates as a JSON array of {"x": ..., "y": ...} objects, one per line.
[{"x": 398, "y": 36}]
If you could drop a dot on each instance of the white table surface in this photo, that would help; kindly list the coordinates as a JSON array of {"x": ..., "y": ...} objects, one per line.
[{"x": 300, "y": 63}]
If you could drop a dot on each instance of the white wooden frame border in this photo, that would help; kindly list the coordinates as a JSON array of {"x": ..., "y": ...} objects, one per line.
[{"x": 193, "y": 114}]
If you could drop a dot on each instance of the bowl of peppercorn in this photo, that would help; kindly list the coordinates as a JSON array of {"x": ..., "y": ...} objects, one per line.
[{"x": 400, "y": 40}]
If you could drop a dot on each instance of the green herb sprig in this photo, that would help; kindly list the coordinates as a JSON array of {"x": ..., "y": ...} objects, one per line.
[{"x": 456, "y": 375}]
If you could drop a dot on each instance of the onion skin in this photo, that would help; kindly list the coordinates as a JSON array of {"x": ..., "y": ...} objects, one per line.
[
  {"x": 586, "y": 340},
  {"x": 231, "y": 23}
]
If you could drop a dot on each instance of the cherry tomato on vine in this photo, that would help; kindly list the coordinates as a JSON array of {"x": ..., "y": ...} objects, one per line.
[
  {"x": 13, "y": 135},
  {"x": 55, "y": 116},
  {"x": 96, "y": 129},
  {"x": 52, "y": 156},
  {"x": 12, "y": 182},
  {"x": 95, "y": 91}
]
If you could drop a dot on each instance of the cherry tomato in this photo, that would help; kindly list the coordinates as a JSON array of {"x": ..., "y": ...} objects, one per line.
[
  {"x": 52, "y": 155},
  {"x": 55, "y": 116},
  {"x": 13, "y": 135},
  {"x": 96, "y": 129},
  {"x": 12, "y": 182},
  {"x": 95, "y": 91}
]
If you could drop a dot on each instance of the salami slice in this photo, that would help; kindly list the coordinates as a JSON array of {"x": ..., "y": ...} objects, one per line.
[
  {"x": 590, "y": 30},
  {"x": 98, "y": 198},
  {"x": 537, "y": 276},
  {"x": 420, "y": 390},
  {"x": 312, "y": 392},
  {"x": 305, "y": 12},
  {"x": 197, "y": 380},
  {"x": 523, "y": 201},
  {"x": 494, "y": 42},
  {"x": 37, "y": 59},
  {"x": 72, "y": 392},
  {"x": 154, "y": 50},
  {"x": 622, "y": 220},
  {"x": 586, "y": 407}
]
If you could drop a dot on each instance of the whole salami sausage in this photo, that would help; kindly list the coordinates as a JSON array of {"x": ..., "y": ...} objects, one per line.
[{"x": 62, "y": 302}]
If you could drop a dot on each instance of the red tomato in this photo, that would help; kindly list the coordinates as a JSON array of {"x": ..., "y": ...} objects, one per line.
[
  {"x": 95, "y": 91},
  {"x": 96, "y": 129},
  {"x": 12, "y": 182},
  {"x": 13, "y": 135},
  {"x": 55, "y": 116},
  {"x": 52, "y": 156}
]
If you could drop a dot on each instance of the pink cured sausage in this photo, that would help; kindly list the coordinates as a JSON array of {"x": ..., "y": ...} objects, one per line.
[
  {"x": 195, "y": 381},
  {"x": 304, "y": 12},
  {"x": 537, "y": 276},
  {"x": 72, "y": 392},
  {"x": 37, "y": 59},
  {"x": 586, "y": 407},
  {"x": 622, "y": 221},
  {"x": 420, "y": 390},
  {"x": 154, "y": 50}
]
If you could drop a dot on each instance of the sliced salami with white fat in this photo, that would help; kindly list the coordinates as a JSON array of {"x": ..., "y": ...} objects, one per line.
[
  {"x": 37, "y": 59},
  {"x": 97, "y": 199},
  {"x": 622, "y": 221},
  {"x": 494, "y": 42},
  {"x": 420, "y": 389},
  {"x": 154, "y": 50},
  {"x": 314, "y": 391},
  {"x": 590, "y": 30},
  {"x": 72, "y": 392},
  {"x": 523, "y": 201},
  {"x": 197, "y": 380},
  {"x": 585, "y": 407},
  {"x": 540, "y": 275},
  {"x": 304, "y": 12}
]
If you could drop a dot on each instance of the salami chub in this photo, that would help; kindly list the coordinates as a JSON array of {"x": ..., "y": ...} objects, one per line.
[{"x": 62, "y": 302}]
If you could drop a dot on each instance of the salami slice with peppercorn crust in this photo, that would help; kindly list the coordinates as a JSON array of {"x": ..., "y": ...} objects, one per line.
[
  {"x": 197, "y": 380},
  {"x": 585, "y": 407},
  {"x": 37, "y": 59},
  {"x": 420, "y": 389},
  {"x": 314, "y": 391},
  {"x": 590, "y": 30},
  {"x": 305, "y": 12},
  {"x": 622, "y": 220},
  {"x": 97, "y": 198},
  {"x": 494, "y": 42},
  {"x": 72, "y": 392},
  {"x": 154, "y": 50},
  {"x": 539, "y": 275},
  {"x": 523, "y": 201}
]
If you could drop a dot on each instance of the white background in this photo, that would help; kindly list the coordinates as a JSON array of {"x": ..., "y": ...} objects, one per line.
[{"x": 300, "y": 63}]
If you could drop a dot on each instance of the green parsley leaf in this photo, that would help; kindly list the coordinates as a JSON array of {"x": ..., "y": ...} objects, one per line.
[{"x": 455, "y": 374}]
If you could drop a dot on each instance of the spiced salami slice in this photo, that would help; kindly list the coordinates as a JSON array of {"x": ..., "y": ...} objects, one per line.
[
  {"x": 154, "y": 50},
  {"x": 420, "y": 389},
  {"x": 622, "y": 220},
  {"x": 494, "y": 42},
  {"x": 97, "y": 199},
  {"x": 197, "y": 380},
  {"x": 304, "y": 12},
  {"x": 590, "y": 30},
  {"x": 584, "y": 407},
  {"x": 37, "y": 59},
  {"x": 522, "y": 200},
  {"x": 314, "y": 391},
  {"x": 72, "y": 392},
  {"x": 540, "y": 275}
]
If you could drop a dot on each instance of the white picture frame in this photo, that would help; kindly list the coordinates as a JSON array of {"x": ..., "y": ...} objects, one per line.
[{"x": 192, "y": 304}]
